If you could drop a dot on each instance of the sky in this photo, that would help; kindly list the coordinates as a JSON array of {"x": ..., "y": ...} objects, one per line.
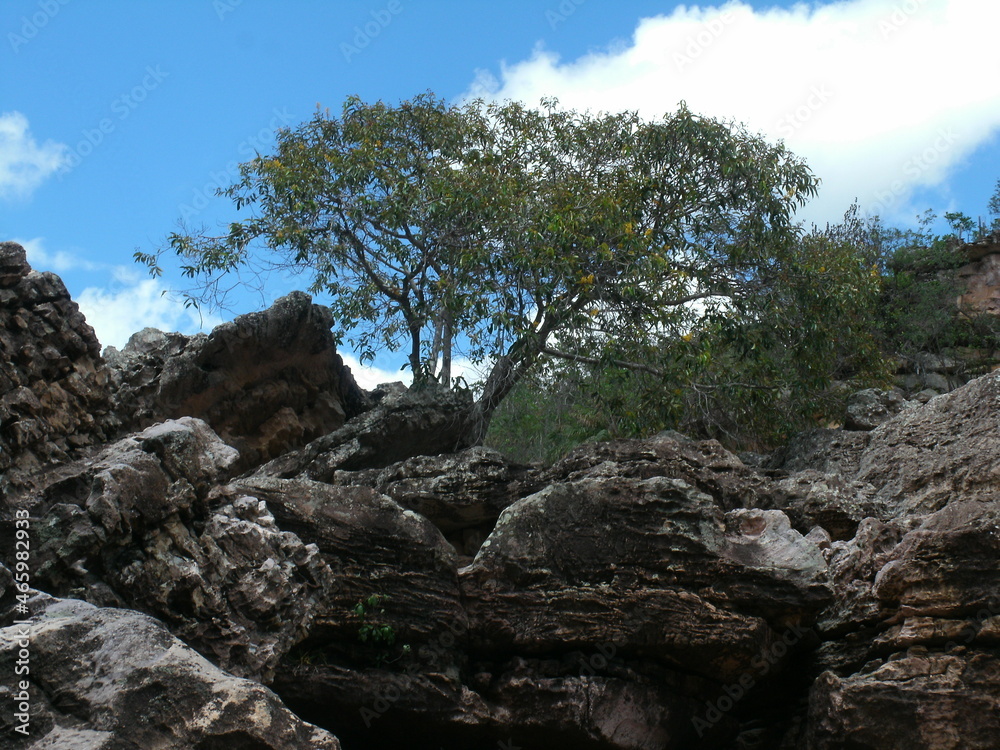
[{"x": 120, "y": 118}]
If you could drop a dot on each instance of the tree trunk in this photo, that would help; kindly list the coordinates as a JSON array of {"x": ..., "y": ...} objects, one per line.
[
  {"x": 415, "y": 365},
  {"x": 505, "y": 375},
  {"x": 446, "y": 351}
]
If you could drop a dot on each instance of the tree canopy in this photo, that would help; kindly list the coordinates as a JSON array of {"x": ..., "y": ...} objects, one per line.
[{"x": 665, "y": 247}]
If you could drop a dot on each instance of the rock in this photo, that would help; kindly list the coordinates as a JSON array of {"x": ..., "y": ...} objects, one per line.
[
  {"x": 830, "y": 501},
  {"x": 530, "y": 704},
  {"x": 374, "y": 547},
  {"x": 417, "y": 422},
  {"x": 651, "y": 565},
  {"x": 826, "y": 451},
  {"x": 867, "y": 409},
  {"x": 462, "y": 493},
  {"x": 981, "y": 282},
  {"x": 853, "y": 567},
  {"x": 55, "y": 400},
  {"x": 919, "y": 701},
  {"x": 266, "y": 382},
  {"x": 137, "y": 526},
  {"x": 620, "y": 581},
  {"x": 13, "y": 264},
  {"x": 111, "y": 679},
  {"x": 704, "y": 464},
  {"x": 945, "y": 567},
  {"x": 947, "y": 449}
]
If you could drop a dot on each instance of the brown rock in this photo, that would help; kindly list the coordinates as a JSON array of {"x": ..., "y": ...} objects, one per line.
[
  {"x": 913, "y": 701},
  {"x": 266, "y": 382}
]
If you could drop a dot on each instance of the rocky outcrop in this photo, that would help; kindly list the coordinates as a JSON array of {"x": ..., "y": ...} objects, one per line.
[
  {"x": 618, "y": 599},
  {"x": 980, "y": 279},
  {"x": 404, "y": 423},
  {"x": 374, "y": 547},
  {"x": 266, "y": 382},
  {"x": 462, "y": 493},
  {"x": 948, "y": 449},
  {"x": 111, "y": 679},
  {"x": 54, "y": 397},
  {"x": 139, "y": 525},
  {"x": 934, "y": 700},
  {"x": 869, "y": 408},
  {"x": 399, "y": 587}
]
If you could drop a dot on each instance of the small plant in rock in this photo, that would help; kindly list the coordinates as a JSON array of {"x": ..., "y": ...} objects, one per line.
[{"x": 375, "y": 631}]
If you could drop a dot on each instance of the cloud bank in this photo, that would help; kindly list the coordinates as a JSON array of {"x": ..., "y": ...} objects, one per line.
[{"x": 880, "y": 98}]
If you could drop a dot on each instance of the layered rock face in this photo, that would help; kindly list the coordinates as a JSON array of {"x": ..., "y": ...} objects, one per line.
[
  {"x": 54, "y": 396},
  {"x": 107, "y": 678},
  {"x": 266, "y": 382},
  {"x": 394, "y": 586}
]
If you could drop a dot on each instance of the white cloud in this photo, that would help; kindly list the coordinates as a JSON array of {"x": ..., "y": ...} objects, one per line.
[
  {"x": 369, "y": 376},
  {"x": 136, "y": 303},
  {"x": 879, "y": 98},
  {"x": 24, "y": 164},
  {"x": 60, "y": 261}
]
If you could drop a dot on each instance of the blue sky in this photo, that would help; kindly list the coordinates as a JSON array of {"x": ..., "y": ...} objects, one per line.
[{"x": 118, "y": 118}]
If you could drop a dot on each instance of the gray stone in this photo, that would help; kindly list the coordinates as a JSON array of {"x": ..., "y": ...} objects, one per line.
[{"x": 113, "y": 679}]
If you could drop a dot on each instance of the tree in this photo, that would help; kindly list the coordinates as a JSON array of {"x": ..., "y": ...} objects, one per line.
[
  {"x": 531, "y": 234},
  {"x": 994, "y": 208}
]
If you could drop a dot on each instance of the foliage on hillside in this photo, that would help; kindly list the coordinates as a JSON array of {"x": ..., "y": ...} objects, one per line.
[{"x": 909, "y": 309}]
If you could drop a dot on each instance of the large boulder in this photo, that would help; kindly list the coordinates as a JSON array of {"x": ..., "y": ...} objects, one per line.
[
  {"x": 918, "y": 700},
  {"x": 405, "y": 423},
  {"x": 947, "y": 449},
  {"x": 653, "y": 566},
  {"x": 461, "y": 493},
  {"x": 374, "y": 547},
  {"x": 55, "y": 399},
  {"x": 267, "y": 382},
  {"x": 138, "y": 525},
  {"x": 114, "y": 679}
]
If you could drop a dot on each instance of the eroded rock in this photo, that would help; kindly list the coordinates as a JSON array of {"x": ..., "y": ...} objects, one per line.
[
  {"x": 920, "y": 700},
  {"x": 947, "y": 449},
  {"x": 404, "y": 424},
  {"x": 55, "y": 400},
  {"x": 266, "y": 382},
  {"x": 138, "y": 526},
  {"x": 111, "y": 679}
]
